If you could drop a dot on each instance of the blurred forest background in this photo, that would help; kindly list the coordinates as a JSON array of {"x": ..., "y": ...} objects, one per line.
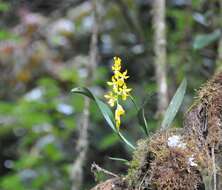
[{"x": 49, "y": 137}]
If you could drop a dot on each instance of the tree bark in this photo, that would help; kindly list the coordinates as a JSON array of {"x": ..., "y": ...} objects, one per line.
[{"x": 160, "y": 54}]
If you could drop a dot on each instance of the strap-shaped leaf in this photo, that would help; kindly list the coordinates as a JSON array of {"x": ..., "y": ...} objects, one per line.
[
  {"x": 120, "y": 160},
  {"x": 104, "y": 109},
  {"x": 174, "y": 105},
  {"x": 203, "y": 40},
  {"x": 142, "y": 120},
  {"x": 141, "y": 116},
  {"x": 125, "y": 140}
]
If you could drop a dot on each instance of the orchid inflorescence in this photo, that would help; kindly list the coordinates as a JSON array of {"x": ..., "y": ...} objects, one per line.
[{"x": 119, "y": 91}]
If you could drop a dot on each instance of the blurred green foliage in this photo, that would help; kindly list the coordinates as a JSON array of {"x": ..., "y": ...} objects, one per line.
[
  {"x": 41, "y": 61},
  {"x": 4, "y": 7}
]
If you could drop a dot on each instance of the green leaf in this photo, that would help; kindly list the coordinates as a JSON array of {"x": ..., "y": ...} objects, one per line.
[
  {"x": 5, "y": 35},
  {"x": 125, "y": 140},
  {"x": 13, "y": 181},
  {"x": 120, "y": 160},
  {"x": 142, "y": 120},
  {"x": 141, "y": 116},
  {"x": 105, "y": 110},
  {"x": 27, "y": 161},
  {"x": 40, "y": 180},
  {"x": 204, "y": 40},
  {"x": 4, "y": 7},
  {"x": 99, "y": 176},
  {"x": 52, "y": 152},
  {"x": 174, "y": 105}
]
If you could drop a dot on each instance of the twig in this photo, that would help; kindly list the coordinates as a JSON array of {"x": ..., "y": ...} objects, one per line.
[
  {"x": 214, "y": 169},
  {"x": 95, "y": 168},
  {"x": 82, "y": 147},
  {"x": 82, "y": 143},
  {"x": 143, "y": 179}
]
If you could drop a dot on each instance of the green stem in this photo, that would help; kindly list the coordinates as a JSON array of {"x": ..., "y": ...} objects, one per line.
[
  {"x": 134, "y": 102},
  {"x": 138, "y": 110}
]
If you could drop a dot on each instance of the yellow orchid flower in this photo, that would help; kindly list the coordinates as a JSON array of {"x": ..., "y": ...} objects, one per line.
[
  {"x": 117, "y": 64},
  {"x": 125, "y": 92},
  {"x": 123, "y": 75},
  {"x": 116, "y": 82},
  {"x": 119, "y": 111},
  {"x": 119, "y": 89},
  {"x": 111, "y": 98}
]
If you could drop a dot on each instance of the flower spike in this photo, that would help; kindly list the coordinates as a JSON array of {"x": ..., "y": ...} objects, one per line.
[{"x": 119, "y": 90}]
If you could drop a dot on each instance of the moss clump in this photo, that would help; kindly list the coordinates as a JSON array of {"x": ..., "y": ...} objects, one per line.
[
  {"x": 168, "y": 160},
  {"x": 140, "y": 163},
  {"x": 210, "y": 96}
]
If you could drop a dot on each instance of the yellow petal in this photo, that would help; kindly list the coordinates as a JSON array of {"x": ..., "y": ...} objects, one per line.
[
  {"x": 124, "y": 96},
  {"x": 111, "y": 102},
  {"x": 110, "y": 83},
  {"x": 120, "y": 82},
  {"x": 118, "y": 112},
  {"x": 125, "y": 72},
  {"x": 117, "y": 61}
]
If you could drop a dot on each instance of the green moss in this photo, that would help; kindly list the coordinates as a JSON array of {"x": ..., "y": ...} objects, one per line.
[{"x": 138, "y": 161}]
